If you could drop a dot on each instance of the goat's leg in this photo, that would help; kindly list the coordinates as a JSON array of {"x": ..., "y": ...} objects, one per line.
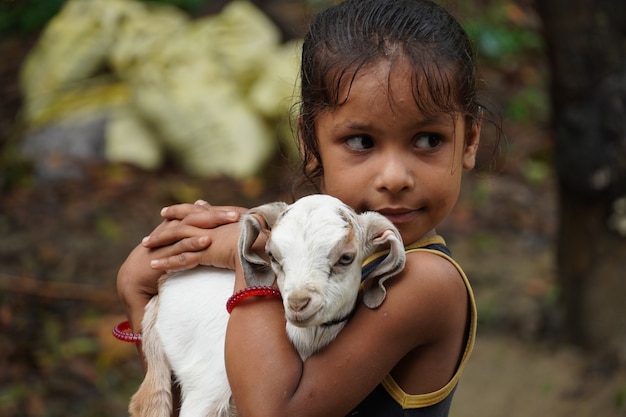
[
  {"x": 193, "y": 316},
  {"x": 195, "y": 404},
  {"x": 154, "y": 396}
]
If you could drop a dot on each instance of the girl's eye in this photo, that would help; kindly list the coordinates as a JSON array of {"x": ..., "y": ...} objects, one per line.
[
  {"x": 360, "y": 142},
  {"x": 428, "y": 141}
]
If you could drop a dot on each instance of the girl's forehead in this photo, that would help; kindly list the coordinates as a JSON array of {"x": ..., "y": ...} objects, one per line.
[
  {"x": 397, "y": 79},
  {"x": 379, "y": 100},
  {"x": 389, "y": 83}
]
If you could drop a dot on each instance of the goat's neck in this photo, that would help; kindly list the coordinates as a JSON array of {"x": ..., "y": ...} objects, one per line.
[
  {"x": 309, "y": 340},
  {"x": 339, "y": 320}
]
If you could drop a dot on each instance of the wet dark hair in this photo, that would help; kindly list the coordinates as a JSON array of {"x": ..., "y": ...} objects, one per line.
[{"x": 356, "y": 33}]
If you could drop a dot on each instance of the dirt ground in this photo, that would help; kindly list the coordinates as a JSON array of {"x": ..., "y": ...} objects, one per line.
[
  {"x": 518, "y": 367},
  {"x": 62, "y": 242}
]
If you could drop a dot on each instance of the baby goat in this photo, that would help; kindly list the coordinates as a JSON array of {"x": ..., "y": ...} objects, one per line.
[{"x": 316, "y": 248}]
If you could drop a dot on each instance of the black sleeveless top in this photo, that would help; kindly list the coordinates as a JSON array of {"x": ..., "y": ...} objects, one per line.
[{"x": 388, "y": 399}]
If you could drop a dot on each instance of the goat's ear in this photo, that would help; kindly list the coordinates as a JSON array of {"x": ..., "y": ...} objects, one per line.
[
  {"x": 381, "y": 234},
  {"x": 256, "y": 269}
]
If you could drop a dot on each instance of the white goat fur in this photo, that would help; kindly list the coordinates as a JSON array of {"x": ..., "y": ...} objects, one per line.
[{"x": 316, "y": 246}]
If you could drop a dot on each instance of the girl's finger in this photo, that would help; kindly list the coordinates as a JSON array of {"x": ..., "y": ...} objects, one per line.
[
  {"x": 180, "y": 238},
  {"x": 180, "y": 211},
  {"x": 203, "y": 215},
  {"x": 181, "y": 255},
  {"x": 179, "y": 262},
  {"x": 168, "y": 233},
  {"x": 211, "y": 218},
  {"x": 192, "y": 244}
]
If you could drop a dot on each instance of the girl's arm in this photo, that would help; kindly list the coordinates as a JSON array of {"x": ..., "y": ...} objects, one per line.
[
  {"x": 183, "y": 240},
  {"x": 426, "y": 307}
]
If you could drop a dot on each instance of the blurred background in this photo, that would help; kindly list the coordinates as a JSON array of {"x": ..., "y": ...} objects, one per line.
[{"x": 112, "y": 109}]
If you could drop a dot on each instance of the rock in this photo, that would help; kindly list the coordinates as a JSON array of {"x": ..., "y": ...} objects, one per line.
[{"x": 63, "y": 150}]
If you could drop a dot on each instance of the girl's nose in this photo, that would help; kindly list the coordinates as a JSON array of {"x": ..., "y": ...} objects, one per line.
[{"x": 394, "y": 175}]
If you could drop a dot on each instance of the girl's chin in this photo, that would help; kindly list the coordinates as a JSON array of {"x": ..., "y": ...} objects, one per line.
[{"x": 411, "y": 232}]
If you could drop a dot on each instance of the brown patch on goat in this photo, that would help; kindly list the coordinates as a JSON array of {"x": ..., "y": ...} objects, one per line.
[
  {"x": 348, "y": 242},
  {"x": 155, "y": 390}
]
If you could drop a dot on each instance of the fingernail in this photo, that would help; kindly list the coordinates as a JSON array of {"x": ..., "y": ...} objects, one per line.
[
  {"x": 145, "y": 240},
  {"x": 163, "y": 211},
  {"x": 232, "y": 215},
  {"x": 155, "y": 263},
  {"x": 201, "y": 203}
]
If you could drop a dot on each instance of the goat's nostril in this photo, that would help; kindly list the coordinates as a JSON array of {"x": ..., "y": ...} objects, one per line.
[{"x": 298, "y": 303}]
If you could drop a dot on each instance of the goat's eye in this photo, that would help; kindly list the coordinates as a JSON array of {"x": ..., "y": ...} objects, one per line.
[
  {"x": 275, "y": 263},
  {"x": 346, "y": 259}
]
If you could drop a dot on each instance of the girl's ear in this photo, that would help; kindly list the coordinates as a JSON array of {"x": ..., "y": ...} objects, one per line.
[{"x": 472, "y": 140}]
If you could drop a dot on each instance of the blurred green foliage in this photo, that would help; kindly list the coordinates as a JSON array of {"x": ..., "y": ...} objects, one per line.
[
  {"x": 320, "y": 4},
  {"x": 536, "y": 171},
  {"x": 507, "y": 37},
  {"x": 183, "y": 4},
  {"x": 498, "y": 41},
  {"x": 26, "y": 16},
  {"x": 16, "y": 170},
  {"x": 501, "y": 30},
  {"x": 620, "y": 397},
  {"x": 18, "y": 17}
]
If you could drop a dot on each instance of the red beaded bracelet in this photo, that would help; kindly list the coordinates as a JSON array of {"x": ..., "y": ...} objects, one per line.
[
  {"x": 241, "y": 295},
  {"x": 123, "y": 333}
]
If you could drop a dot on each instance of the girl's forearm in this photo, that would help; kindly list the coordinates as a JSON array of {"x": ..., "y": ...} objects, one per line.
[{"x": 263, "y": 367}]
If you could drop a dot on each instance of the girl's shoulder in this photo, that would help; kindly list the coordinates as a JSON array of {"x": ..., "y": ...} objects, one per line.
[{"x": 429, "y": 297}]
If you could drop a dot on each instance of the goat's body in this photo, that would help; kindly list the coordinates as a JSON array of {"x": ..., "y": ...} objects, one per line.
[
  {"x": 192, "y": 323},
  {"x": 190, "y": 320},
  {"x": 317, "y": 247},
  {"x": 189, "y": 325}
]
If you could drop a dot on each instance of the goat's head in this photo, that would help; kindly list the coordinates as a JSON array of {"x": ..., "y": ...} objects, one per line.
[{"x": 316, "y": 249}]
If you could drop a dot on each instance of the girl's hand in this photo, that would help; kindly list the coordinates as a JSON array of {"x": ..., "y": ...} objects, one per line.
[
  {"x": 188, "y": 230},
  {"x": 181, "y": 241}
]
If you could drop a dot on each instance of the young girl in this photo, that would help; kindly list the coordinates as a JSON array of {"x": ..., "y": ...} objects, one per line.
[{"x": 388, "y": 122}]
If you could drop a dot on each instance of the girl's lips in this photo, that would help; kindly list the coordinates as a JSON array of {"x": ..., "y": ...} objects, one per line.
[{"x": 399, "y": 216}]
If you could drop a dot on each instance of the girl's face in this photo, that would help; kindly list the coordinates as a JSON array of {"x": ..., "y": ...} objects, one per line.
[{"x": 380, "y": 153}]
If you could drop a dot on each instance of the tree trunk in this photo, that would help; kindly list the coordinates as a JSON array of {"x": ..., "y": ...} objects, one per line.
[{"x": 586, "y": 43}]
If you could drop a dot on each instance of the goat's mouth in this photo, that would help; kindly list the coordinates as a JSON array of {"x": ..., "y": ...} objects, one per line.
[
  {"x": 302, "y": 318},
  {"x": 306, "y": 317},
  {"x": 317, "y": 319}
]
